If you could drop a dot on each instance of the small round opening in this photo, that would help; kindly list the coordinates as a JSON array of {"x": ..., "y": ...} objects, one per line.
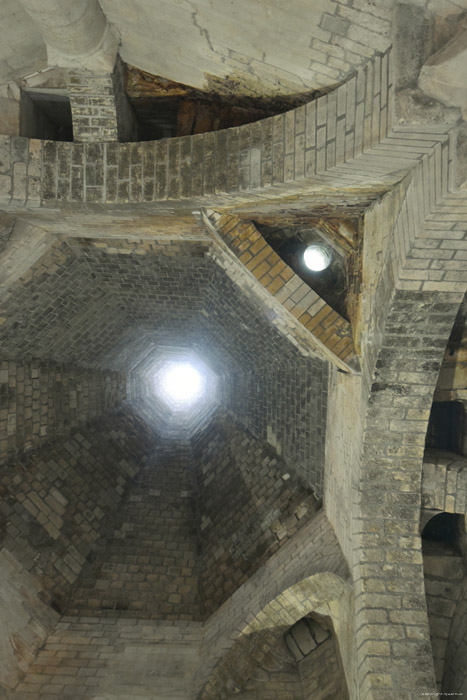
[
  {"x": 181, "y": 383},
  {"x": 317, "y": 257}
]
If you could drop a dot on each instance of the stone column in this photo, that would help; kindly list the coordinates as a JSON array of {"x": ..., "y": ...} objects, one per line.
[
  {"x": 392, "y": 632},
  {"x": 99, "y": 108}
]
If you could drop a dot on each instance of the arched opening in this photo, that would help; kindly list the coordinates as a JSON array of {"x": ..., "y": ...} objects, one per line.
[
  {"x": 313, "y": 644},
  {"x": 442, "y": 532}
]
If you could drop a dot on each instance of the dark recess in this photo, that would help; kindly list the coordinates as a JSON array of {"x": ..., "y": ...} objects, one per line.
[
  {"x": 446, "y": 426},
  {"x": 443, "y": 528},
  {"x": 46, "y": 115}
]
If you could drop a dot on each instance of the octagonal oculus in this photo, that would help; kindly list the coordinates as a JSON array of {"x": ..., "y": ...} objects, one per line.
[
  {"x": 183, "y": 383},
  {"x": 180, "y": 384}
]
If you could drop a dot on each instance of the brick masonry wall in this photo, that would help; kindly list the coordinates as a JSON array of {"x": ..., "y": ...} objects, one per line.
[
  {"x": 114, "y": 657},
  {"x": 444, "y": 482},
  {"x": 106, "y": 291},
  {"x": 276, "y": 678},
  {"x": 417, "y": 328},
  {"x": 320, "y": 674},
  {"x": 92, "y": 107},
  {"x": 342, "y": 140},
  {"x": 285, "y": 405},
  {"x": 26, "y": 619},
  {"x": 428, "y": 240},
  {"x": 56, "y": 501},
  {"x": 99, "y": 109},
  {"x": 443, "y": 588},
  {"x": 44, "y": 401},
  {"x": 270, "y": 602},
  {"x": 110, "y": 658},
  {"x": 299, "y": 144},
  {"x": 260, "y": 298},
  {"x": 249, "y": 506},
  {"x": 348, "y": 396},
  {"x": 424, "y": 235},
  {"x": 114, "y": 296},
  {"x": 455, "y": 675},
  {"x": 148, "y": 563},
  {"x": 266, "y": 266},
  {"x": 390, "y": 599}
]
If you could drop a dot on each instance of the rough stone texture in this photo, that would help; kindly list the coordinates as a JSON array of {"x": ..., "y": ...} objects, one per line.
[
  {"x": 114, "y": 296},
  {"x": 148, "y": 564},
  {"x": 281, "y": 151},
  {"x": 26, "y": 619},
  {"x": 416, "y": 239},
  {"x": 21, "y": 246},
  {"x": 85, "y": 656},
  {"x": 195, "y": 524},
  {"x": 22, "y": 48},
  {"x": 320, "y": 674},
  {"x": 56, "y": 500},
  {"x": 392, "y": 578},
  {"x": 277, "y": 677},
  {"x": 455, "y": 677},
  {"x": 43, "y": 401},
  {"x": 75, "y": 29},
  {"x": 100, "y": 110},
  {"x": 337, "y": 38},
  {"x": 444, "y": 482},
  {"x": 284, "y": 404},
  {"x": 452, "y": 380},
  {"x": 249, "y": 506},
  {"x": 10, "y": 109},
  {"x": 341, "y": 149},
  {"x": 271, "y": 603},
  {"x": 443, "y": 571},
  {"x": 93, "y": 110},
  {"x": 114, "y": 659},
  {"x": 327, "y": 326},
  {"x": 440, "y": 75}
]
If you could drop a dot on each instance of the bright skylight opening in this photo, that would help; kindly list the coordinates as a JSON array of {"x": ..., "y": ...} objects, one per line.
[
  {"x": 317, "y": 257},
  {"x": 181, "y": 384}
]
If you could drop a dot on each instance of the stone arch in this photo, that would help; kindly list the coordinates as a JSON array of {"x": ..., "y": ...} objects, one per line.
[
  {"x": 397, "y": 421},
  {"x": 427, "y": 515},
  {"x": 445, "y": 583},
  {"x": 325, "y": 593}
]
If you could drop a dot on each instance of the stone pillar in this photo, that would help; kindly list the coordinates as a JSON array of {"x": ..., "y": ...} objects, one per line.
[
  {"x": 79, "y": 38},
  {"x": 394, "y": 653},
  {"x": 99, "y": 107}
]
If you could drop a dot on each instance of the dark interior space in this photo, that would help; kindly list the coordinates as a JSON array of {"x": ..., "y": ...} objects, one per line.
[
  {"x": 165, "y": 108},
  {"x": 443, "y": 529},
  {"x": 446, "y": 427},
  {"x": 46, "y": 115}
]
